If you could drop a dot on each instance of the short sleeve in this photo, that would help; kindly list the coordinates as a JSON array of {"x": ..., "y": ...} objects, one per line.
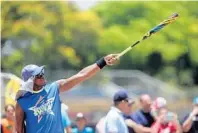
[{"x": 52, "y": 86}]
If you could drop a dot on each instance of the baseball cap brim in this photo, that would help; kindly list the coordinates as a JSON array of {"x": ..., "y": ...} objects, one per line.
[
  {"x": 38, "y": 70},
  {"x": 80, "y": 116},
  {"x": 131, "y": 101}
]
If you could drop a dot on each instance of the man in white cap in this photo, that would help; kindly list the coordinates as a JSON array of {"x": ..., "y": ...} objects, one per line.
[{"x": 38, "y": 103}]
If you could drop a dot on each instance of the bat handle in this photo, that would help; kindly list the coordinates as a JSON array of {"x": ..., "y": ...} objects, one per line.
[
  {"x": 123, "y": 52},
  {"x": 128, "y": 49}
]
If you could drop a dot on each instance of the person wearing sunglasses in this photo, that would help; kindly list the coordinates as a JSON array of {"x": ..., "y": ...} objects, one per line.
[
  {"x": 114, "y": 121},
  {"x": 38, "y": 102}
]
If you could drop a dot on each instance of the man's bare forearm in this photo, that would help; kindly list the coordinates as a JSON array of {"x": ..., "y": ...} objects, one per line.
[
  {"x": 87, "y": 72},
  {"x": 187, "y": 124},
  {"x": 84, "y": 74},
  {"x": 137, "y": 128},
  {"x": 140, "y": 129}
]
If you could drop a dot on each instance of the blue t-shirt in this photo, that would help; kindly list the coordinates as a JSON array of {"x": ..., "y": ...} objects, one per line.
[
  {"x": 142, "y": 118},
  {"x": 131, "y": 118},
  {"x": 85, "y": 130},
  {"x": 43, "y": 110}
]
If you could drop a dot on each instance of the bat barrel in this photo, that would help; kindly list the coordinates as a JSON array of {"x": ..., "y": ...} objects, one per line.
[
  {"x": 175, "y": 15},
  {"x": 152, "y": 31}
]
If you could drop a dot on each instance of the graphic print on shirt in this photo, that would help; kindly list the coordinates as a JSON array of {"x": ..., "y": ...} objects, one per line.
[{"x": 42, "y": 107}]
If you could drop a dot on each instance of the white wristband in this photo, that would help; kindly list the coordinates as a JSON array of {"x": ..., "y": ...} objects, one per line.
[{"x": 192, "y": 117}]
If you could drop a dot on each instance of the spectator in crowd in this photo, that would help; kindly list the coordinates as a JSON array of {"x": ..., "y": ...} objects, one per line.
[
  {"x": 81, "y": 125},
  {"x": 190, "y": 122},
  {"x": 65, "y": 118},
  {"x": 114, "y": 122},
  {"x": 158, "y": 103},
  {"x": 8, "y": 125},
  {"x": 132, "y": 126},
  {"x": 166, "y": 122},
  {"x": 144, "y": 116}
]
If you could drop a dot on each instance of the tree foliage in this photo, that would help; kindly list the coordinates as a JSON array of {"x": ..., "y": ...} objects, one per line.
[{"x": 59, "y": 35}]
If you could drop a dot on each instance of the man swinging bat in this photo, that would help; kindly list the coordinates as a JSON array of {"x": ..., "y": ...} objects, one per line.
[{"x": 38, "y": 103}]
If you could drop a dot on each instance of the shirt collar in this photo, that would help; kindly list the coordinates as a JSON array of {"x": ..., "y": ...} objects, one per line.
[{"x": 116, "y": 109}]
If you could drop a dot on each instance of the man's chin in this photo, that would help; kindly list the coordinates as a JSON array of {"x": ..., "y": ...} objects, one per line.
[{"x": 43, "y": 84}]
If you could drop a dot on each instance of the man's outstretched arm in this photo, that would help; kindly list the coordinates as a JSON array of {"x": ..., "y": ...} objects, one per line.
[{"x": 86, "y": 73}]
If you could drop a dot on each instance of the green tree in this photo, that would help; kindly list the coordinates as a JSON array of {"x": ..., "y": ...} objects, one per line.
[
  {"x": 51, "y": 33},
  {"x": 127, "y": 21},
  {"x": 135, "y": 18}
]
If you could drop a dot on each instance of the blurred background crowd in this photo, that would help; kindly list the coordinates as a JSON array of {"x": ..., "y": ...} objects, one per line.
[{"x": 66, "y": 36}]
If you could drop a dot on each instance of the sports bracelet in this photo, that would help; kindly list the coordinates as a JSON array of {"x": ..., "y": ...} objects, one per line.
[{"x": 101, "y": 63}]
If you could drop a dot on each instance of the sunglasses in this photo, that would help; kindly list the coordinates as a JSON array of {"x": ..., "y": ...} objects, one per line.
[
  {"x": 126, "y": 100},
  {"x": 40, "y": 75},
  {"x": 130, "y": 103}
]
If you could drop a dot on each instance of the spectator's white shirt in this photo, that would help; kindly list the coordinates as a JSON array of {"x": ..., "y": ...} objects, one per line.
[{"x": 114, "y": 122}]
